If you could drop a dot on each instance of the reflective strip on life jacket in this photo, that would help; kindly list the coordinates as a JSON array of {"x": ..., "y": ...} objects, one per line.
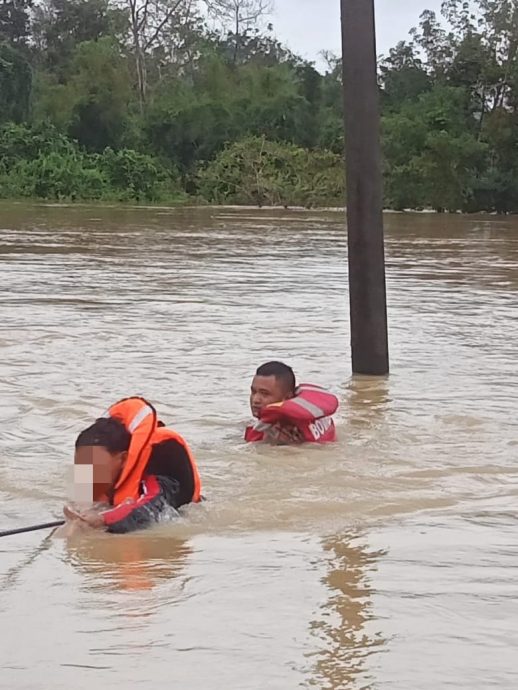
[
  {"x": 307, "y": 405},
  {"x": 139, "y": 417}
]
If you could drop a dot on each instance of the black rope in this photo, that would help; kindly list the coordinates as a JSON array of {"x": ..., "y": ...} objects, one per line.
[{"x": 33, "y": 528}]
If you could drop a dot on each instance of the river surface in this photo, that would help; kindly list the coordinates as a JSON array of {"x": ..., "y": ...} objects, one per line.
[{"x": 388, "y": 560}]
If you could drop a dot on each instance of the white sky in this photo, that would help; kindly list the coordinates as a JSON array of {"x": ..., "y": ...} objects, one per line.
[{"x": 310, "y": 26}]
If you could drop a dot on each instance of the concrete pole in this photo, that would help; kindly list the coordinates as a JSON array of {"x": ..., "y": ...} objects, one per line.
[{"x": 367, "y": 293}]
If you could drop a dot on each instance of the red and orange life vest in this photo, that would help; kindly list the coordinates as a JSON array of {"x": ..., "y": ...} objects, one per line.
[
  {"x": 310, "y": 411},
  {"x": 140, "y": 419}
]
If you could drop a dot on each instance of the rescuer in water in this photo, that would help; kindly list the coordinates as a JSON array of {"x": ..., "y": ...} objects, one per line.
[
  {"x": 287, "y": 413},
  {"x": 136, "y": 468}
]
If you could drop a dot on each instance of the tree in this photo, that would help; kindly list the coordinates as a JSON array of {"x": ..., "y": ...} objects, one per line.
[
  {"x": 497, "y": 189},
  {"x": 402, "y": 76},
  {"x": 460, "y": 16},
  {"x": 187, "y": 130},
  {"x": 60, "y": 25},
  {"x": 95, "y": 105},
  {"x": 331, "y": 121},
  {"x": 15, "y": 85},
  {"x": 15, "y": 21},
  {"x": 435, "y": 43},
  {"x": 238, "y": 17},
  {"x": 150, "y": 22},
  {"x": 432, "y": 156},
  {"x": 262, "y": 49},
  {"x": 499, "y": 27},
  {"x": 100, "y": 88}
]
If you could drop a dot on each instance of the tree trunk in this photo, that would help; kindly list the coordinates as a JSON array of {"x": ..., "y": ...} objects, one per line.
[{"x": 237, "y": 29}]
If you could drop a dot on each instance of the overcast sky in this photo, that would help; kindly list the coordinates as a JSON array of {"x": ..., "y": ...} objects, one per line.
[{"x": 310, "y": 26}]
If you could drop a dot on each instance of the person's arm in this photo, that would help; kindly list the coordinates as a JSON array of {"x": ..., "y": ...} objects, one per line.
[
  {"x": 159, "y": 495},
  {"x": 284, "y": 434}
]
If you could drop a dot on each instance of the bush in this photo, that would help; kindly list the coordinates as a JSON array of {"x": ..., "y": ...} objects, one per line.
[
  {"x": 54, "y": 176},
  {"x": 21, "y": 142},
  {"x": 133, "y": 175},
  {"x": 41, "y": 163},
  {"x": 260, "y": 172}
]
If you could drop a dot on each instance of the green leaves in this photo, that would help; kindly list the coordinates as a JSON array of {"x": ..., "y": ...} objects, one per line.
[
  {"x": 15, "y": 85},
  {"x": 41, "y": 163},
  {"x": 433, "y": 156},
  {"x": 138, "y": 100},
  {"x": 259, "y": 172},
  {"x": 453, "y": 144}
]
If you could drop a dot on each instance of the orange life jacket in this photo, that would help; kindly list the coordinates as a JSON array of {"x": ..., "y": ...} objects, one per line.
[{"x": 140, "y": 419}]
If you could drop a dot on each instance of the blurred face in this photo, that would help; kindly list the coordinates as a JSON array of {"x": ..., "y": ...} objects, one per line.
[
  {"x": 264, "y": 391},
  {"x": 96, "y": 471}
]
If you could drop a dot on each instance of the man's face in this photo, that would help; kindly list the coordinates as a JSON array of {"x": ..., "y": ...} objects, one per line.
[
  {"x": 264, "y": 391},
  {"x": 97, "y": 470}
]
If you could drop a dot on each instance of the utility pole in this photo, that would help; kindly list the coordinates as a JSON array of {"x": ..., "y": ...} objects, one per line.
[{"x": 367, "y": 292}]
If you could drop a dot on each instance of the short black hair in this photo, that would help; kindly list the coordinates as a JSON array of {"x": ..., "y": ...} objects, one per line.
[
  {"x": 107, "y": 432},
  {"x": 282, "y": 372}
]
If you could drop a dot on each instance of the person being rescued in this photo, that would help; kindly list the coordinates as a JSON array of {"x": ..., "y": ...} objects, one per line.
[
  {"x": 139, "y": 469},
  {"x": 287, "y": 413}
]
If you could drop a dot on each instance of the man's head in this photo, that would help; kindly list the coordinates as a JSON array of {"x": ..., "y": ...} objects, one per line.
[
  {"x": 272, "y": 383},
  {"x": 103, "y": 447}
]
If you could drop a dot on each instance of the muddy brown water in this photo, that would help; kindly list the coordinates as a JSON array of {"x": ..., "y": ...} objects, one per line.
[{"x": 387, "y": 560}]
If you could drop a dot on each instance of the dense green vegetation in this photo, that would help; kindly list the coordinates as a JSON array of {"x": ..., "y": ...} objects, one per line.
[
  {"x": 170, "y": 100},
  {"x": 450, "y": 110}
]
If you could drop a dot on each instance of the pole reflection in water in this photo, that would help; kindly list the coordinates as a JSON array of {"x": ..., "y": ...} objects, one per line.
[{"x": 346, "y": 626}]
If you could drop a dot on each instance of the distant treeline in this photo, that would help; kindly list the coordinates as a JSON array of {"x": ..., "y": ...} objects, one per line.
[{"x": 182, "y": 100}]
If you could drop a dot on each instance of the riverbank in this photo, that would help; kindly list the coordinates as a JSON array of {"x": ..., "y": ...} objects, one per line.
[{"x": 197, "y": 204}]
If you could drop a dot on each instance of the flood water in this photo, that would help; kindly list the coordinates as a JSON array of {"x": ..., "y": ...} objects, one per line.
[{"x": 385, "y": 561}]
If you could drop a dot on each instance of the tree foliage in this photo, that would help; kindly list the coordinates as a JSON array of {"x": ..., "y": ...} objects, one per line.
[
  {"x": 450, "y": 110},
  {"x": 149, "y": 100},
  {"x": 15, "y": 84}
]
